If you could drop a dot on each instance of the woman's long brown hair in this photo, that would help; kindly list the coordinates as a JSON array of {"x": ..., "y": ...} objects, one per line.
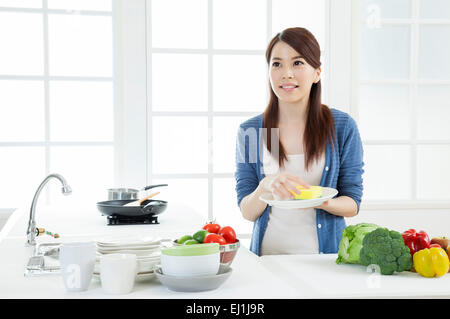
[{"x": 319, "y": 122}]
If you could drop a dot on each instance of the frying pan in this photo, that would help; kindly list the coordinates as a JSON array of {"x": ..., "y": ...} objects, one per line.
[{"x": 117, "y": 208}]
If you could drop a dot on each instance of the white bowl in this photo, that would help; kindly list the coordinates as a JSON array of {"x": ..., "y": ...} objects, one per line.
[{"x": 191, "y": 260}]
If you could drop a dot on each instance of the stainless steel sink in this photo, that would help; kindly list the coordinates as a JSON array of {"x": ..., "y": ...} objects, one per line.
[{"x": 45, "y": 260}]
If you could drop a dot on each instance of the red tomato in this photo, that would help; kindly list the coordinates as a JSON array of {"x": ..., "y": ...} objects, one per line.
[
  {"x": 212, "y": 228},
  {"x": 214, "y": 238},
  {"x": 228, "y": 233}
]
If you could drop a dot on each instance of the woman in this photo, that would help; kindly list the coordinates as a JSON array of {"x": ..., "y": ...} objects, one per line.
[{"x": 297, "y": 141}]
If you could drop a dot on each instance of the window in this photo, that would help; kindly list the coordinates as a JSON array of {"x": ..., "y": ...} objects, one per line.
[
  {"x": 402, "y": 83},
  {"x": 207, "y": 74},
  {"x": 57, "y": 109}
]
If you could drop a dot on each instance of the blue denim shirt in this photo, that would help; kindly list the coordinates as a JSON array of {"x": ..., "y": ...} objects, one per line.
[{"x": 343, "y": 171}]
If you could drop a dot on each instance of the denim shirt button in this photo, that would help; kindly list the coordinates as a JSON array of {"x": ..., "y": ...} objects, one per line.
[
  {"x": 319, "y": 225},
  {"x": 326, "y": 168}
]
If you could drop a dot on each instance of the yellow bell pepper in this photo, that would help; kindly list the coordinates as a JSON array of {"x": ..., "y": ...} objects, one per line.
[{"x": 431, "y": 262}]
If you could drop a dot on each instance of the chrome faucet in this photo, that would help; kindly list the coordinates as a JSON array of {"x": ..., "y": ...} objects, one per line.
[{"x": 32, "y": 230}]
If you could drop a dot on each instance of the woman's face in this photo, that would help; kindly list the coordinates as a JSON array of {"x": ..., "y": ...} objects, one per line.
[{"x": 291, "y": 77}]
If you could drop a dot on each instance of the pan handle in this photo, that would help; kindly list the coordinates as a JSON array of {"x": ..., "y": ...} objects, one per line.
[
  {"x": 153, "y": 186},
  {"x": 152, "y": 206}
]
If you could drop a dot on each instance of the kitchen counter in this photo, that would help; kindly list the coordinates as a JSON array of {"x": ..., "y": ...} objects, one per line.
[
  {"x": 267, "y": 277},
  {"x": 250, "y": 279},
  {"x": 327, "y": 279}
]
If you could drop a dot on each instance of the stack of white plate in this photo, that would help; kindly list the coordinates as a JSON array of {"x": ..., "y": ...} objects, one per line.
[{"x": 146, "y": 249}]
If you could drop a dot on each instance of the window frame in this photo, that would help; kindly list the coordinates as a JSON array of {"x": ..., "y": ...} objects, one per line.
[
  {"x": 413, "y": 82},
  {"x": 45, "y": 78},
  {"x": 210, "y": 114}
]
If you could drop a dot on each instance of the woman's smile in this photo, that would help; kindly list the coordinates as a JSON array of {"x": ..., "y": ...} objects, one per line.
[{"x": 289, "y": 89}]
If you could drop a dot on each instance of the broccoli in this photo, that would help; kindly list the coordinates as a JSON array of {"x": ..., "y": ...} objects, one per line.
[{"x": 385, "y": 248}]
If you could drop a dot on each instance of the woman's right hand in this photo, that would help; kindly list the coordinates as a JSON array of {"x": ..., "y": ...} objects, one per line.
[{"x": 281, "y": 184}]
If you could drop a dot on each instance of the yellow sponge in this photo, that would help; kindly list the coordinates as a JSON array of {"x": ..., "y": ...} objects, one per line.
[{"x": 308, "y": 193}]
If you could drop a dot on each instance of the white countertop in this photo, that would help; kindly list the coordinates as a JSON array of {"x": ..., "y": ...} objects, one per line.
[
  {"x": 267, "y": 277},
  {"x": 250, "y": 279},
  {"x": 326, "y": 279}
]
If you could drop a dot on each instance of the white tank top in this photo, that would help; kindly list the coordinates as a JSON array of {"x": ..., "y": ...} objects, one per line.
[{"x": 292, "y": 231}]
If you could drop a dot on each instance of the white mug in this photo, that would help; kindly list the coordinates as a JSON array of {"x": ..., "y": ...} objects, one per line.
[
  {"x": 77, "y": 262},
  {"x": 118, "y": 273}
]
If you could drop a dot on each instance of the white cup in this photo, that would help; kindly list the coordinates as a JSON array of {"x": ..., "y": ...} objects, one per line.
[
  {"x": 77, "y": 261},
  {"x": 118, "y": 273}
]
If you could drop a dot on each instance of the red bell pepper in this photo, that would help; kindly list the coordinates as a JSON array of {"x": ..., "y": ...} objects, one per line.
[{"x": 416, "y": 240}]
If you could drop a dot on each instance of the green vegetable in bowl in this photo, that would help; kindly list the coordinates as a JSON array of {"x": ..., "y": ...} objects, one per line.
[
  {"x": 200, "y": 235},
  {"x": 386, "y": 249},
  {"x": 191, "y": 242},
  {"x": 183, "y": 239},
  {"x": 351, "y": 242}
]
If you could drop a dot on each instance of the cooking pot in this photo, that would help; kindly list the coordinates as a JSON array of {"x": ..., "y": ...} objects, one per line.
[{"x": 128, "y": 193}]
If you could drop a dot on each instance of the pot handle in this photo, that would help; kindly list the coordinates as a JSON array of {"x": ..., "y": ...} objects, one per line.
[{"x": 153, "y": 186}]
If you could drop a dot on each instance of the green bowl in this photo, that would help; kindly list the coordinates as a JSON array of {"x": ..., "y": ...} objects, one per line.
[{"x": 227, "y": 252}]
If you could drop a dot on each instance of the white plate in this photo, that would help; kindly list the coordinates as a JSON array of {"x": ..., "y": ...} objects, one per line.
[
  {"x": 128, "y": 241},
  {"x": 138, "y": 255},
  {"x": 149, "y": 253},
  {"x": 327, "y": 193},
  {"x": 137, "y": 247},
  {"x": 138, "y": 258}
]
